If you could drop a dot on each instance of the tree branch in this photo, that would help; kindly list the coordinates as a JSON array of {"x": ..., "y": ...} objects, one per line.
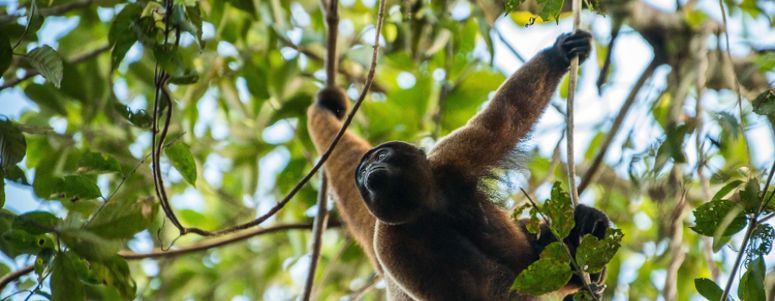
[
  {"x": 13, "y": 276},
  {"x": 52, "y": 11},
  {"x": 75, "y": 60},
  {"x": 589, "y": 176}
]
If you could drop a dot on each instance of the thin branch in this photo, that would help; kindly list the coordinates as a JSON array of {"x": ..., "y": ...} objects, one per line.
[
  {"x": 589, "y": 176},
  {"x": 576, "y": 269},
  {"x": 158, "y": 253},
  {"x": 78, "y": 59},
  {"x": 331, "y": 9},
  {"x": 675, "y": 248},
  {"x": 369, "y": 79},
  {"x": 508, "y": 45},
  {"x": 358, "y": 293},
  {"x": 574, "y": 69},
  {"x": 13, "y": 276},
  {"x": 52, "y": 11}
]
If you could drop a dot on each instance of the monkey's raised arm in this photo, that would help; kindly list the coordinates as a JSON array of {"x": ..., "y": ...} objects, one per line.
[
  {"x": 323, "y": 123},
  {"x": 492, "y": 134}
]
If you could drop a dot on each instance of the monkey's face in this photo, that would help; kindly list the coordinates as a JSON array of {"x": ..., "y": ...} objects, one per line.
[{"x": 394, "y": 179}]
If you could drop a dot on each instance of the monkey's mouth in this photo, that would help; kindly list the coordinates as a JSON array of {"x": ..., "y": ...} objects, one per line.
[{"x": 376, "y": 176}]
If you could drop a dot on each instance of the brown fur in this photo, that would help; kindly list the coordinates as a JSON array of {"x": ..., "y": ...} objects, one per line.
[{"x": 483, "y": 250}]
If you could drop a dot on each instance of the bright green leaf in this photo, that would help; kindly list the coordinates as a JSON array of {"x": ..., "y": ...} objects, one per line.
[
  {"x": 122, "y": 218},
  {"x": 48, "y": 62},
  {"x": 36, "y": 222},
  {"x": 89, "y": 245},
  {"x": 724, "y": 191},
  {"x": 181, "y": 157},
  {"x": 78, "y": 187},
  {"x": 98, "y": 163},
  {"x": 593, "y": 254},
  {"x": 545, "y": 275},
  {"x": 114, "y": 272},
  {"x": 65, "y": 281},
  {"x": 751, "y": 286},
  {"x": 559, "y": 210}
]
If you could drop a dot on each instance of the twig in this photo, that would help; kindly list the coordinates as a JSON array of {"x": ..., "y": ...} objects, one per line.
[
  {"x": 675, "y": 248},
  {"x": 52, "y": 11},
  {"x": 12, "y": 276},
  {"x": 628, "y": 102},
  {"x": 315, "y": 168},
  {"x": 157, "y": 253},
  {"x": 331, "y": 9},
  {"x": 78, "y": 59},
  {"x": 574, "y": 68},
  {"x": 576, "y": 269},
  {"x": 508, "y": 45},
  {"x": 358, "y": 293}
]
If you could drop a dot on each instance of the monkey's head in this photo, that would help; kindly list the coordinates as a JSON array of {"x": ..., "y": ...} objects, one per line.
[{"x": 396, "y": 182}]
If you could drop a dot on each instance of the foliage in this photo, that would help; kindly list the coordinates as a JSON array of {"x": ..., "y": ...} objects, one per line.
[{"x": 77, "y": 91}]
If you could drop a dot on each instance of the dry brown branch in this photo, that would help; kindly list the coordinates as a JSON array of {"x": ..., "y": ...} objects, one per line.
[{"x": 13, "y": 276}]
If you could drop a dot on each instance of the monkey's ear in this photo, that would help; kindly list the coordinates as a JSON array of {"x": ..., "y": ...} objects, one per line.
[{"x": 334, "y": 100}]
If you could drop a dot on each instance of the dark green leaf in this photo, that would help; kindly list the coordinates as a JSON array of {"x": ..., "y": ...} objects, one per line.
[
  {"x": 121, "y": 34},
  {"x": 559, "y": 210},
  {"x": 6, "y": 53},
  {"x": 89, "y": 245},
  {"x": 48, "y": 62},
  {"x": 78, "y": 187},
  {"x": 16, "y": 242},
  {"x": 764, "y": 104},
  {"x": 593, "y": 254},
  {"x": 173, "y": 60},
  {"x": 752, "y": 283},
  {"x": 183, "y": 160},
  {"x": 36, "y": 222},
  {"x": 122, "y": 218},
  {"x": 16, "y": 174},
  {"x": 761, "y": 241},
  {"x": 551, "y": 9},
  {"x": 550, "y": 273},
  {"x": 65, "y": 281},
  {"x": 709, "y": 218},
  {"x": 12, "y": 144},
  {"x": 708, "y": 289}
]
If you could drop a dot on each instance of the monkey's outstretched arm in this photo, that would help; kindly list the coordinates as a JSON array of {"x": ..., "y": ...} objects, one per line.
[
  {"x": 491, "y": 135},
  {"x": 323, "y": 122}
]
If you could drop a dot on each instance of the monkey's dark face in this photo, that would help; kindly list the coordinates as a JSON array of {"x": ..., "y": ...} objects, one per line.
[{"x": 395, "y": 180}]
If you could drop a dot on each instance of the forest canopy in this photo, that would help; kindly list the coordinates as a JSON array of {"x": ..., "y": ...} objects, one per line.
[{"x": 158, "y": 150}]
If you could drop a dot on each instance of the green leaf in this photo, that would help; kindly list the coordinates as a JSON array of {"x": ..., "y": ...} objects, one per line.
[
  {"x": 512, "y": 5},
  {"x": 709, "y": 218},
  {"x": 724, "y": 191},
  {"x": 48, "y": 62},
  {"x": 551, "y": 9},
  {"x": 121, "y": 35},
  {"x": 6, "y": 53},
  {"x": 36, "y": 222},
  {"x": 89, "y": 245},
  {"x": 65, "y": 281},
  {"x": 15, "y": 174},
  {"x": 114, "y": 272},
  {"x": 171, "y": 59},
  {"x": 122, "y": 218},
  {"x": 181, "y": 157},
  {"x": 2, "y": 189},
  {"x": 98, "y": 163},
  {"x": 708, "y": 289},
  {"x": 751, "y": 286},
  {"x": 13, "y": 146},
  {"x": 78, "y": 187},
  {"x": 593, "y": 254},
  {"x": 559, "y": 210},
  {"x": 549, "y": 273},
  {"x": 764, "y": 104}
]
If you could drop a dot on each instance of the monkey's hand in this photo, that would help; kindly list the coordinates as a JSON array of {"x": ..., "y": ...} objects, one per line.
[
  {"x": 569, "y": 45},
  {"x": 332, "y": 99},
  {"x": 588, "y": 221}
]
